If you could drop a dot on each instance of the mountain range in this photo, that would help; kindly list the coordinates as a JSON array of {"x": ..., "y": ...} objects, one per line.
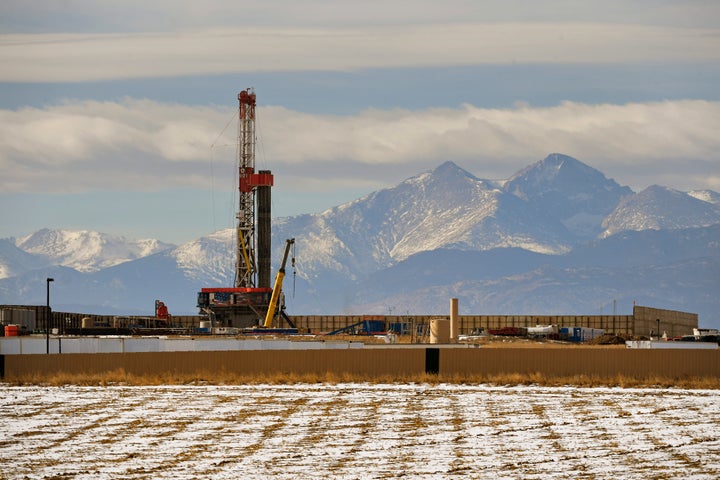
[{"x": 558, "y": 237}]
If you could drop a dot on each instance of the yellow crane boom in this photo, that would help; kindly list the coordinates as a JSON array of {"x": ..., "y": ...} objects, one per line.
[{"x": 277, "y": 287}]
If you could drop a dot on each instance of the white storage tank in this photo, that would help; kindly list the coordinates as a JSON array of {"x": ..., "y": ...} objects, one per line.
[{"x": 440, "y": 330}]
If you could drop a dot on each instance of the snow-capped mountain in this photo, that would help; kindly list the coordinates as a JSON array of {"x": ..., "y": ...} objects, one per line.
[
  {"x": 85, "y": 250},
  {"x": 556, "y": 237},
  {"x": 576, "y": 194},
  {"x": 661, "y": 208},
  {"x": 445, "y": 208},
  {"x": 544, "y": 220},
  {"x": 548, "y": 207}
]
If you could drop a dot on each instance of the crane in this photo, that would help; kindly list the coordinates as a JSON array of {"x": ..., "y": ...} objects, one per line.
[{"x": 277, "y": 288}]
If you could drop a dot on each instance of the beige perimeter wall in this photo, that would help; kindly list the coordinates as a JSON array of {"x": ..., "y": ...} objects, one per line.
[{"x": 550, "y": 362}]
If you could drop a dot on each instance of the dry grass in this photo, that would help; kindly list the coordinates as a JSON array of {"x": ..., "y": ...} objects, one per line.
[{"x": 121, "y": 377}]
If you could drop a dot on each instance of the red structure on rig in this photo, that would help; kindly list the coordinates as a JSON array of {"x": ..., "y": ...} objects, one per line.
[{"x": 246, "y": 304}]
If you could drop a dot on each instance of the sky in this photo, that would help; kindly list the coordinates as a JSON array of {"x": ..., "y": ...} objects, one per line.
[{"x": 120, "y": 117}]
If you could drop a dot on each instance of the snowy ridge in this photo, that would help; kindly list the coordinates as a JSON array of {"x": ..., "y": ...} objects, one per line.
[
  {"x": 208, "y": 258},
  {"x": 87, "y": 251},
  {"x": 706, "y": 196},
  {"x": 661, "y": 208}
]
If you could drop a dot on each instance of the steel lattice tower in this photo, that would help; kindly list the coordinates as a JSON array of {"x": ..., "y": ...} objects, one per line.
[{"x": 254, "y": 195}]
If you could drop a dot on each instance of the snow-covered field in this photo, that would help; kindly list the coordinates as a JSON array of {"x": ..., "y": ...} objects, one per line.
[{"x": 353, "y": 430}]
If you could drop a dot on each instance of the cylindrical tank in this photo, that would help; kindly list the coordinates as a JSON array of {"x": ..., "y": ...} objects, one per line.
[
  {"x": 440, "y": 330},
  {"x": 87, "y": 322}
]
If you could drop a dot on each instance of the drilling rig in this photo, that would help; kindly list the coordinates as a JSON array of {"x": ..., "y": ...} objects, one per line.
[{"x": 247, "y": 303}]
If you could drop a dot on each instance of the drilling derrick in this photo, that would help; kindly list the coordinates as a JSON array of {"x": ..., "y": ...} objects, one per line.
[
  {"x": 252, "y": 259},
  {"x": 245, "y": 266},
  {"x": 246, "y": 304}
]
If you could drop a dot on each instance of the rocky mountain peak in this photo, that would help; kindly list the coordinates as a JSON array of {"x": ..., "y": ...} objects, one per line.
[
  {"x": 560, "y": 173},
  {"x": 451, "y": 170},
  {"x": 575, "y": 193},
  {"x": 659, "y": 207}
]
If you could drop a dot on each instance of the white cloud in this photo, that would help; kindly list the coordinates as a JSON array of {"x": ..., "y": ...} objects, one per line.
[
  {"x": 133, "y": 144},
  {"x": 146, "y": 145},
  {"x": 171, "y": 15},
  {"x": 642, "y": 132},
  {"x": 78, "y": 57},
  {"x": 76, "y": 132}
]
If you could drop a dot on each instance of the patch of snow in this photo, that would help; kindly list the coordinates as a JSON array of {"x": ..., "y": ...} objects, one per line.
[
  {"x": 355, "y": 430},
  {"x": 708, "y": 196},
  {"x": 210, "y": 258},
  {"x": 87, "y": 250}
]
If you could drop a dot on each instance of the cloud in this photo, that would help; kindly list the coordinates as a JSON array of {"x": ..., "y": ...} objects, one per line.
[
  {"x": 132, "y": 144},
  {"x": 146, "y": 145},
  {"x": 78, "y": 57},
  {"x": 173, "y": 15}
]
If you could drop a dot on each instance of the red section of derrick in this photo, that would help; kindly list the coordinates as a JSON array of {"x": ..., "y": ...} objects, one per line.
[
  {"x": 236, "y": 290},
  {"x": 250, "y": 180},
  {"x": 247, "y": 104}
]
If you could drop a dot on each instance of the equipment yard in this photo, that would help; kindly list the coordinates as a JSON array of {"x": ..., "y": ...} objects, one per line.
[{"x": 358, "y": 430}]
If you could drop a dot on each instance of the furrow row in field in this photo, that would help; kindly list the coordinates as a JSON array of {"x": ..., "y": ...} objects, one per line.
[{"x": 357, "y": 430}]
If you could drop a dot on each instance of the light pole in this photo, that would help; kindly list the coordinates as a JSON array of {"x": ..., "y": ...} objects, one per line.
[{"x": 47, "y": 318}]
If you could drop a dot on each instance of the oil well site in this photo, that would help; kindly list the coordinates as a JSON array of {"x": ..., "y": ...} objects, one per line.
[{"x": 245, "y": 327}]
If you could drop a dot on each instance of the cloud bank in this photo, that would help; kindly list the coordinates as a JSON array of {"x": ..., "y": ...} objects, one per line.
[
  {"x": 81, "y": 57},
  {"x": 144, "y": 145},
  {"x": 172, "y": 15}
]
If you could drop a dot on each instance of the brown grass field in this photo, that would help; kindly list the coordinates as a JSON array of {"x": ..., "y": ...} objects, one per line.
[{"x": 120, "y": 377}]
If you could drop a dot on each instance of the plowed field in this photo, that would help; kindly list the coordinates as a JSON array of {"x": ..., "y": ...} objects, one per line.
[{"x": 357, "y": 430}]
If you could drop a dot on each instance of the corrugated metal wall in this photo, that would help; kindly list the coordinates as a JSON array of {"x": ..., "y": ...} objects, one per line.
[
  {"x": 659, "y": 321},
  {"x": 549, "y": 362},
  {"x": 362, "y": 362},
  {"x": 602, "y": 362}
]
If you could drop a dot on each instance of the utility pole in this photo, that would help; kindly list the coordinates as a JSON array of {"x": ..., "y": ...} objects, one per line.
[{"x": 48, "y": 316}]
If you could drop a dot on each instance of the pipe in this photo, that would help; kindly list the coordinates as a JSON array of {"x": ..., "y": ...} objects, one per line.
[{"x": 454, "y": 320}]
